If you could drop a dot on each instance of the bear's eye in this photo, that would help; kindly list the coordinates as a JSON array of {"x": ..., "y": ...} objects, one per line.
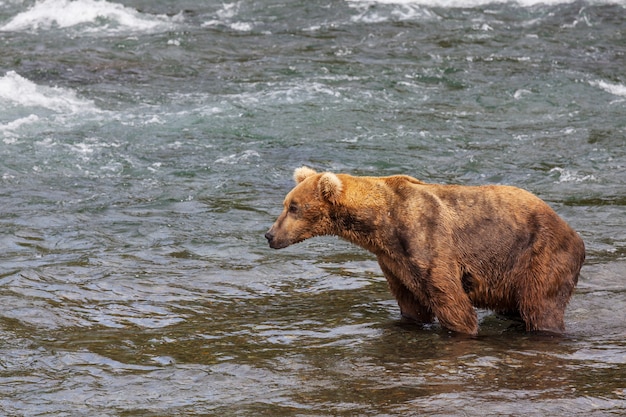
[{"x": 293, "y": 208}]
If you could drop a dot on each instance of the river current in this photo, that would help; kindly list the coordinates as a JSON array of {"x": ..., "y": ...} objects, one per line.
[{"x": 146, "y": 146}]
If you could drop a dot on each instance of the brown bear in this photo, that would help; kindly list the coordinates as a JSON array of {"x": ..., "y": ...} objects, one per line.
[{"x": 445, "y": 249}]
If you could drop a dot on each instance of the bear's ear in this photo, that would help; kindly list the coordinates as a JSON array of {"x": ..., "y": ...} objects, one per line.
[
  {"x": 302, "y": 173},
  {"x": 330, "y": 187}
]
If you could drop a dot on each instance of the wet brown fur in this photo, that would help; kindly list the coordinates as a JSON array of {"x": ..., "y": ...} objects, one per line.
[{"x": 445, "y": 249}]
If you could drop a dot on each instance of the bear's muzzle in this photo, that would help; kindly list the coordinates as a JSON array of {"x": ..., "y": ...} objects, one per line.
[
  {"x": 270, "y": 239},
  {"x": 275, "y": 243}
]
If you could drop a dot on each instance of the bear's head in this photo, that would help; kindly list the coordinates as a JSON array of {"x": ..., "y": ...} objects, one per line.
[{"x": 307, "y": 208}]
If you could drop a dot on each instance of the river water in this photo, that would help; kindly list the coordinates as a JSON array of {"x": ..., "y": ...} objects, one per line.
[{"x": 146, "y": 146}]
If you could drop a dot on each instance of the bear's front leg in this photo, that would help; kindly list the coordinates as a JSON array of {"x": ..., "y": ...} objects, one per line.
[
  {"x": 450, "y": 303},
  {"x": 410, "y": 307}
]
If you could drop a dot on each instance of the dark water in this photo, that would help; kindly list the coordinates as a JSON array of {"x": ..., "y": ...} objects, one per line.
[{"x": 146, "y": 146}]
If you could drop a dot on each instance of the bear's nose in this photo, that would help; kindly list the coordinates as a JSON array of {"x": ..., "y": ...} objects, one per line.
[{"x": 269, "y": 236}]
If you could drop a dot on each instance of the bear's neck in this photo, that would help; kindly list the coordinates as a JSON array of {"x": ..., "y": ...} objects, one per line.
[{"x": 364, "y": 227}]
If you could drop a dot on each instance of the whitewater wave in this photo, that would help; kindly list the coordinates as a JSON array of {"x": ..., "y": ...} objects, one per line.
[
  {"x": 227, "y": 16},
  {"x": 475, "y": 3},
  {"x": 376, "y": 11},
  {"x": 243, "y": 157},
  {"x": 566, "y": 175},
  {"x": 24, "y": 104},
  {"x": 615, "y": 89},
  {"x": 99, "y": 15},
  {"x": 16, "y": 90}
]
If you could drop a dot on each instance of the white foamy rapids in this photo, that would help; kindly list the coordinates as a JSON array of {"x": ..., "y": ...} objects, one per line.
[
  {"x": 226, "y": 16},
  {"x": 243, "y": 157},
  {"x": 100, "y": 14},
  {"x": 16, "y": 90},
  {"x": 565, "y": 175},
  {"x": 616, "y": 89},
  {"x": 24, "y": 103},
  {"x": 476, "y": 3}
]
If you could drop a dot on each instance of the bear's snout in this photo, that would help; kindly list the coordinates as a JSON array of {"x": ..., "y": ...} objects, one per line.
[
  {"x": 270, "y": 239},
  {"x": 275, "y": 243}
]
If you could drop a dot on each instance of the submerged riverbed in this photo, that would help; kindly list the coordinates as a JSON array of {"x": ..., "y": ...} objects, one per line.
[{"x": 146, "y": 147}]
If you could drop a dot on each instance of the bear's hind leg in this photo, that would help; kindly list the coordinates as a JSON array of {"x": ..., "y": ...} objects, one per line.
[
  {"x": 544, "y": 309},
  {"x": 546, "y": 313},
  {"x": 548, "y": 278},
  {"x": 552, "y": 322}
]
